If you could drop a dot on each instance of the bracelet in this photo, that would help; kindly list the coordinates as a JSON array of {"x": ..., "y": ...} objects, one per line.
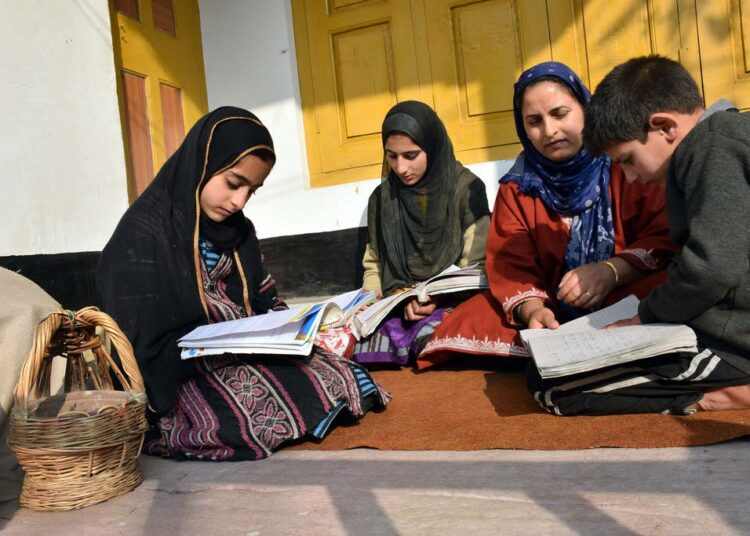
[{"x": 614, "y": 270}]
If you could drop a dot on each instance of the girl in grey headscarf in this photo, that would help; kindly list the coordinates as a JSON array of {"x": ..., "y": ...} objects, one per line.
[{"x": 428, "y": 213}]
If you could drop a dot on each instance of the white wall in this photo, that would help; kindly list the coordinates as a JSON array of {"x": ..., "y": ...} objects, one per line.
[
  {"x": 249, "y": 54},
  {"x": 62, "y": 170},
  {"x": 63, "y": 184}
]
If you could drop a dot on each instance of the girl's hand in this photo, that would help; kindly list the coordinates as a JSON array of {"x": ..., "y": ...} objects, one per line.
[
  {"x": 417, "y": 311},
  {"x": 586, "y": 286},
  {"x": 535, "y": 315}
]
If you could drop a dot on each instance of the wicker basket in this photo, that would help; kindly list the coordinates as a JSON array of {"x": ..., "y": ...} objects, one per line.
[{"x": 80, "y": 447}]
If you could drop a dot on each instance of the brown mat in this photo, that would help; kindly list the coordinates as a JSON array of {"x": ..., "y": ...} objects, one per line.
[{"x": 481, "y": 409}]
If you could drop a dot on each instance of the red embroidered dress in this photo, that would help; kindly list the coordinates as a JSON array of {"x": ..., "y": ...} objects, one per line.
[{"x": 525, "y": 258}]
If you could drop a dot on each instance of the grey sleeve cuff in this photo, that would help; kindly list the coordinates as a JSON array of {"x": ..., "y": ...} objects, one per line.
[{"x": 645, "y": 314}]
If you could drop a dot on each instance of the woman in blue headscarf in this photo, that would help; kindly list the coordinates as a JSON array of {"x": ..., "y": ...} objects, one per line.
[{"x": 568, "y": 233}]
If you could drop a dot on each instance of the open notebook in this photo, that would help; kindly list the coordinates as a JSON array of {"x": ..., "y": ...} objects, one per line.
[
  {"x": 452, "y": 279},
  {"x": 583, "y": 345},
  {"x": 290, "y": 332}
]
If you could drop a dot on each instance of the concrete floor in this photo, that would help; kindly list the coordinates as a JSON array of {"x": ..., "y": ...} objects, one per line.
[{"x": 699, "y": 490}]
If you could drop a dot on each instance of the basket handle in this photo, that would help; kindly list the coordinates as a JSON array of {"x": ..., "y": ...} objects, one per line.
[
  {"x": 88, "y": 315},
  {"x": 93, "y": 315}
]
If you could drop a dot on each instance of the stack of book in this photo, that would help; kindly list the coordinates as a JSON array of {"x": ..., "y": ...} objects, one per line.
[{"x": 289, "y": 332}]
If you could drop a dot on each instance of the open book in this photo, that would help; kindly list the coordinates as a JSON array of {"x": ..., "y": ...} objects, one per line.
[
  {"x": 290, "y": 332},
  {"x": 582, "y": 345},
  {"x": 452, "y": 279}
]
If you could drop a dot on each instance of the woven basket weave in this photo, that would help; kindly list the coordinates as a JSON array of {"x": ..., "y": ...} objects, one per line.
[{"x": 80, "y": 447}]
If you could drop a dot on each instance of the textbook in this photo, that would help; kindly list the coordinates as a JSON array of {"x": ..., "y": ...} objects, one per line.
[
  {"x": 452, "y": 279},
  {"x": 290, "y": 332},
  {"x": 583, "y": 345}
]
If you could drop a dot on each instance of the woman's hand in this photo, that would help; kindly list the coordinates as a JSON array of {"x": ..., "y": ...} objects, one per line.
[
  {"x": 417, "y": 311},
  {"x": 587, "y": 285},
  {"x": 535, "y": 315}
]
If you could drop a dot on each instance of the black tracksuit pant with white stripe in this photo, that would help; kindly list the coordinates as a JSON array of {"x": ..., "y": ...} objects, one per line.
[{"x": 665, "y": 384}]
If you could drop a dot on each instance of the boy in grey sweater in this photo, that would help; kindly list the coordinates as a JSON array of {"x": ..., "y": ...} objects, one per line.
[{"x": 648, "y": 115}]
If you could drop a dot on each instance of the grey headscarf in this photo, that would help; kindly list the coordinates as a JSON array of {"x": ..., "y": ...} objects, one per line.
[{"x": 417, "y": 231}]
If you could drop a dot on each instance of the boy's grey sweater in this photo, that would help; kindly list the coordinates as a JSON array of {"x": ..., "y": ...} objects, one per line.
[{"x": 708, "y": 205}]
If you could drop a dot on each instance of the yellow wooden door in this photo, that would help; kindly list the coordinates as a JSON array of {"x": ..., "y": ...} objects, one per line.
[
  {"x": 724, "y": 35},
  {"x": 161, "y": 83},
  {"x": 477, "y": 50},
  {"x": 358, "y": 57},
  {"x": 356, "y": 60},
  {"x": 617, "y": 31}
]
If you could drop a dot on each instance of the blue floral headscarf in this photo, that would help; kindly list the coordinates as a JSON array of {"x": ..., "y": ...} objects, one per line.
[{"x": 577, "y": 187}]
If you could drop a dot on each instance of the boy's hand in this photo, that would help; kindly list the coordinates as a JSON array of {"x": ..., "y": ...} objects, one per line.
[
  {"x": 417, "y": 311},
  {"x": 586, "y": 286},
  {"x": 635, "y": 321}
]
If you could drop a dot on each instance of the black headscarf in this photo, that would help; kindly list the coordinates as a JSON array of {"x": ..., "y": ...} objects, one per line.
[
  {"x": 417, "y": 231},
  {"x": 149, "y": 277}
]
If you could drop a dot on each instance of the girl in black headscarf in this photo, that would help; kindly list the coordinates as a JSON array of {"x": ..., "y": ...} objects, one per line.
[
  {"x": 183, "y": 255},
  {"x": 428, "y": 213}
]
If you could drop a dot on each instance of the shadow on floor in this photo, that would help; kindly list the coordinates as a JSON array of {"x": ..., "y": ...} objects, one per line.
[{"x": 699, "y": 490}]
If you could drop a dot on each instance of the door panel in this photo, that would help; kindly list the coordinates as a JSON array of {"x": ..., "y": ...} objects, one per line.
[
  {"x": 138, "y": 131},
  {"x": 359, "y": 58},
  {"x": 477, "y": 50},
  {"x": 617, "y": 32},
  {"x": 174, "y": 123},
  {"x": 724, "y": 32}
]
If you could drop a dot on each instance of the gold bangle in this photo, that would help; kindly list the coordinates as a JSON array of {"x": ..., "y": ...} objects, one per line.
[{"x": 614, "y": 270}]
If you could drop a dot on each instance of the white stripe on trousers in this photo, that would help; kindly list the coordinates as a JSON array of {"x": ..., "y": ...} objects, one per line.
[{"x": 630, "y": 382}]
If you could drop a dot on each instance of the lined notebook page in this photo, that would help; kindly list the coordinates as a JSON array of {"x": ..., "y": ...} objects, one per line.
[
  {"x": 625, "y": 308},
  {"x": 267, "y": 322},
  {"x": 624, "y": 343}
]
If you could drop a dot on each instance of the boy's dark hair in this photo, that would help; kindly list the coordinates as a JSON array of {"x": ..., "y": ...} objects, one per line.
[{"x": 623, "y": 102}]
